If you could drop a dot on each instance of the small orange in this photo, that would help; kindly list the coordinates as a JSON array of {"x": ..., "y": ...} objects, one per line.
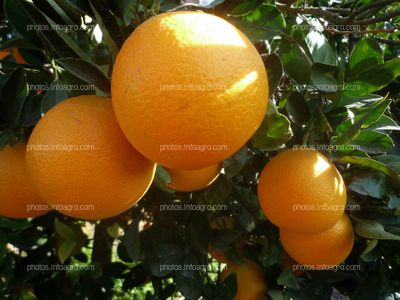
[
  {"x": 18, "y": 198},
  {"x": 250, "y": 280},
  {"x": 193, "y": 180},
  {"x": 300, "y": 190},
  {"x": 321, "y": 250},
  {"x": 81, "y": 163},
  {"x": 18, "y": 57},
  {"x": 4, "y": 53}
]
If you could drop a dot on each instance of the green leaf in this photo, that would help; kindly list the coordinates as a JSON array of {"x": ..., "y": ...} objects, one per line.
[
  {"x": 368, "y": 117},
  {"x": 384, "y": 123},
  {"x": 374, "y": 230},
  {"x": 365, "y": 55},
  {"x": 113, "y": 230},
  {"x": 65, "y": 250},
  {"x": 14, "y": 224},
  {"x": 108, "y": 25},
  {"x": 229, "y": 287},
  {"x": 295, "y": 61},
  {"x": 20, "y": 20},
  {"x": 69, "y": 40},
  {"x": 274, "y": 70},
  {"x": 375, "y": 165},
  {"x": 273, "y": 133},
  {"x": 64, "y": 230},
  {"x": 392, "y": 161},
  {"x": 56, "y": 93},
  {"x": 244, "y": 8},
  {"x": 87, "y": 72},
  {"x": 297, "y": 108},
  {"x": 373, "y": 142},
  {"x": 70, "y": 10},
  {"x": 132, "y": 240},
  {"x": 324, "y": 77},
  {"x": 371, "y": 244},
  {"x": 162, "y": 179},
  {"x": 371, "y": 184},
  {"x": 321, "y": 51},
  {"x": 357, "y": 101},
  {"x": 14, "y": 93},
  {"x": 373, "y": 79},
  {"x": 288, "y": 279},
  {"x": 235, "y": 163},
  {"x": 263, "y": 23}
]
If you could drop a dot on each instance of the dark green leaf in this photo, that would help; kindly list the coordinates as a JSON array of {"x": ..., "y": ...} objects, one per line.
[
  {"x": 13, "y": 97},
  {"x": 87, "y": 72},
  {"x": 373, "y": 142},
  {"x": 273, "y": 133},
  {"x": 375, "y": 165},
  {"x": 295, "y": 61},
  {"x": 324, "y": 77},
  {"x": 321, "y": 51},
  {"x": 365, "y": 55},
  {"x": 374, "y": 230},
  {"x": 373, "y": 79},
  {"x": 263, "y": 23},
  {"x": 55, "y": 94},
  {"x": 297, "y": 108},
  {"x": 274, "y": 70}
]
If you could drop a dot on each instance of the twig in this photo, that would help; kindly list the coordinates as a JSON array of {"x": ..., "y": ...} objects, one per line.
[
  {"x": 380, "y": 19},
  {"x": 338, "y": 32},
  {"x": 374, "y": 4}
]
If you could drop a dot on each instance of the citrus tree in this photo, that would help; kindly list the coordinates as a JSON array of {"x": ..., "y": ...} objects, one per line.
[{"x": 329, "y": 135}]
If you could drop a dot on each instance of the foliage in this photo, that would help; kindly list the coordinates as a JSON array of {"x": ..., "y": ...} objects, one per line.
[{"x": 334, "y": 71}]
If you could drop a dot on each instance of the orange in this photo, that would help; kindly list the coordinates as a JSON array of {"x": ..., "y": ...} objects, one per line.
[
  {"x": 18, "y": 57},
  {"x": 302, "y": 191},
  {"x": 320, "y": 250},
  {"x": 188, "y": 89},
  {"x": 4, "y": 53},
  {"x": 193, "y": 180},
  {"x": 81, "y": 163},
  {"x": 250, "y": 280},
  {"x": 18, "y": 198}
]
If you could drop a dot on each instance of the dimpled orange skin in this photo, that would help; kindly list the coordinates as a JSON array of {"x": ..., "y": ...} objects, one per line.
[
  {"x": 18, "y": 198},
  {"x": 112, "y": 176},
  {"x": 302, "y": 191},
  {"x": 323, "y": 249},
  {"x": 250, "y": 280},
  {"x": 188, "y": 78},
  {"x": 193, "y": 180}
]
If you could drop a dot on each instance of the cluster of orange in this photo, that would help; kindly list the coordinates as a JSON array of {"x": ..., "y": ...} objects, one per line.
[
  {"x": 301, "y": 192},
  {"x": 179, "y": 80}
]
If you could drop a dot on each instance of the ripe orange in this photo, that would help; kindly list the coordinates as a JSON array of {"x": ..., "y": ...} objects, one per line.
[
  {"x": 300, "y": 190},
  {"x": 250, "y": 280},
  {"x": 188, "y": 89},
  {"x": 18, "y": 199},
  {"x": 320, "y": 250},
  {"x": 18, "y": 57},
  {"x": 4, "y": 53},
  {"x": 81, "y": 163},
  {"x": 193, "y": 180}
]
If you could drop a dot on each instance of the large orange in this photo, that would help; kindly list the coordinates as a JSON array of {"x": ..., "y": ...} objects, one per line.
[
  {"x": 81, "y": 163},
  {"x": 188, "y": 89},
  {"x": 250, "y": 280},
  {"x": 302, "y": 191},
  {"x": 321, "y": 250},
  {"x": 18, "y": 198},
  {"x": 193, "y": 180}
]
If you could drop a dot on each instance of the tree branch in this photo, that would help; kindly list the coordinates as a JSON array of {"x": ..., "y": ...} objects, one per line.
[
  {"x": 380, "y": 19},
  {"x": 376, "y": 4}
]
